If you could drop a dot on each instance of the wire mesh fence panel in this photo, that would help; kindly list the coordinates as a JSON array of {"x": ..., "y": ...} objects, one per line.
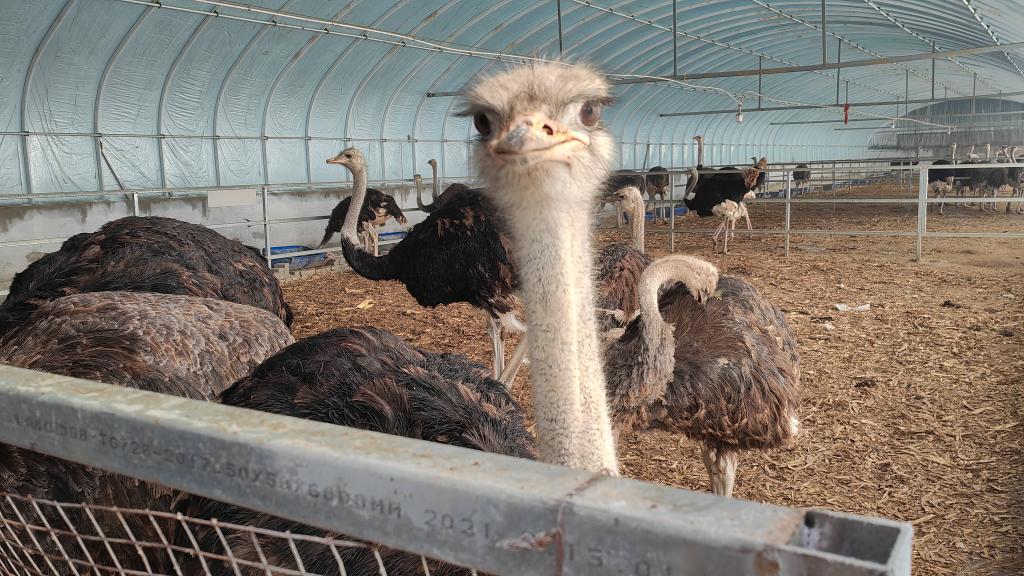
[{"x": 43, "y": 537}]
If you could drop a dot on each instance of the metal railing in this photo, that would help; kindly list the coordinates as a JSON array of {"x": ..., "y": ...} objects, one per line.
[
  {"x": 487, "y": 512},
  {"x": 844, "y": 174}
]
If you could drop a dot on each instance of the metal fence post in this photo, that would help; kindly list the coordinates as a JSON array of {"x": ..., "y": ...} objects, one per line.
[
  {"x": 789, "y": 196},
  {"x": 672, "y": 213},
  {"x": 922, "y": 210},
  {"x": 266, "y": 228}
]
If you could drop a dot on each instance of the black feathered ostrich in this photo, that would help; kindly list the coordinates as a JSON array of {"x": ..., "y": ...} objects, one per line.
[
  {"x": 377, "y": 208},
  {"x": 369, "y": 379},
  {"x": 721, "y": 193},
  {"x": 147, "y": 254},
  {"x": 178, "y": 345},
  {"x": 437, "y": 200},
  {"x": 801, "y": 175},
  {"x": 458, "y": 254}
]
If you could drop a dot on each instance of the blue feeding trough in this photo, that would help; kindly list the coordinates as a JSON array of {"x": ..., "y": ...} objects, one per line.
[
  {"x": 391, "y": 236},
  {"x": 296, "y": 262},
  {"x": 649, "y": 216}
]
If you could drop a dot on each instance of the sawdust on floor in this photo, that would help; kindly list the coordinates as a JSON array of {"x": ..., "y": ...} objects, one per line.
[{"x": 911, "y": 410}]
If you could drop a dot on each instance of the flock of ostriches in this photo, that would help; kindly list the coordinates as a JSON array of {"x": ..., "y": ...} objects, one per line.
[
  {"x": 617, "y": 342},
  {"x": 980, "y": 182}
]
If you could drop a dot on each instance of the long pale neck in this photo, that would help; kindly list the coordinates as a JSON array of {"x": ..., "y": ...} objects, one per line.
[
  {"x": 552, "y": 246},
  {"x": 436, "y": 185},
  {"x": 348, "y": 228},
  {"x": 636, "y": 221},
  {"x": 700, "y": 152}
]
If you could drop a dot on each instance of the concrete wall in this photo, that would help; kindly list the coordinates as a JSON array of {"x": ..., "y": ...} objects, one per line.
[{"x": 60, "y": 220}]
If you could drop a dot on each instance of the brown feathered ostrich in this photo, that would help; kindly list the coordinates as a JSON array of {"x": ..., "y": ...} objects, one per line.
[
  {"x": 377, "y": 208},
  {"x": 457, "y": 254},
  {"x": 544, "y": 155},
  {"x": 711, "y": 358},
  {"x": 179, "y": 345},
  {"x": 369, "y": 379},
  {"x": 620, "y": 264},
  {"x": 146, "y": 254},
  {"x": 437, "y": 200}
]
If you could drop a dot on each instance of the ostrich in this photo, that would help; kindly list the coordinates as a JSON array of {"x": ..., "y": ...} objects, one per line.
[
  {"x": 376, "y": 210},
  {"x": 721, "y": 193},
  {"x": 146, "y": 254},
  {"x": 620, "y": 264},
  {"x": 369, "y": 379},
  {"x": 1016, "y": 177},
  {"x": 733, "y": 382},
  {"x": 801, "y": 176},
  {"x": 458, "y": 254},
  {"x": 711, "y": 359},
  {"x": 657, "y": 183},
  {"x": 179, "y": 345},
  {"x": 942, "y": 182},
  {"x": 437, "y": 200},
  {"x": 988, "y": 181},
  {"x": 762, "y": 178}
]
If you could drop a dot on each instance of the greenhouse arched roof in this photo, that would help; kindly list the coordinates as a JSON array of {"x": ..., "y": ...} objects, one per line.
[{"x": 196, "y": 93}]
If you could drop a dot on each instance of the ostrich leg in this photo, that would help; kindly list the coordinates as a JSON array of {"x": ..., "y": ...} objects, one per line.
[
  {"x": 497, "y": 345},
  {"x": 746, "y": 217},
  {"x": 721, "y": 464},
  {"x": 718, "y": 231},
  {"x": 515, "y": 362}
]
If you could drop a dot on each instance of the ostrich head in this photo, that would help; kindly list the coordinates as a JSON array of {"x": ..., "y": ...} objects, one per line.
[
  {"x": 544, "y": 155},
  {"x": 541, "y": 122},
  {"x": 350, "y": 158},
  {"x": 632, "y": 202}
]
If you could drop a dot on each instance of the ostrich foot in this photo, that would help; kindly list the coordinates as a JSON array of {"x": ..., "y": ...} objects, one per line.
[{"x": 721, "y": 464}]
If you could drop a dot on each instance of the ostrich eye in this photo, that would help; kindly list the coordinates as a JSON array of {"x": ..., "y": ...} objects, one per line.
[
  {"x": 590, "y": 113},
  {"x": 348, "y": 155},
  {"x": 482, "y": 124}
]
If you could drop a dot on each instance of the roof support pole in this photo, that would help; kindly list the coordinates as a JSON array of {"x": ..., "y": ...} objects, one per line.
[
  {"x": 839, "y": 71},
  {"x": 27, "y": 87},
  {"x": 818, "y": 67},
  {"x": 906, "y": 94},
  {"x": 974, "y": 93},
  {"x": 824, "y": 44},
  {"x": 818, "y": 106},
  {"x": 558, "y": 7},
  {"x": 760, "y": 66},
  {"x": 675, "y": 45},
  {"x": 933, "y": 75}
]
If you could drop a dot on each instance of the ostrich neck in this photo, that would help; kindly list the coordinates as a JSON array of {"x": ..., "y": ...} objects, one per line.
[
  {"x": 636, "y": 221},
  {"x": 348, "y": 228},
  {"x": 435, "y": 184},
  {"x": 552, "y": 245},
  {"x": 700, "y": 153}
]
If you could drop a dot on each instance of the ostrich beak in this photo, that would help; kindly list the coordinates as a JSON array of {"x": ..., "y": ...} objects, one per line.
[
  {"x": 339, "y": 159},
  {"x": 534, "y": 138}
]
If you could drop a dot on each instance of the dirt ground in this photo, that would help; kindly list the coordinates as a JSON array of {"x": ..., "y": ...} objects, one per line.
[{"x": 911, "y": 409}]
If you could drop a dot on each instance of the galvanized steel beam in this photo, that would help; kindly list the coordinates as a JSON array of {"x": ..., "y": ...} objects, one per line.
[{"x": 495, "y": 513}]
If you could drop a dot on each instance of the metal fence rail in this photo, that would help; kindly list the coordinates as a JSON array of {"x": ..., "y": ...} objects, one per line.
[{"x": 493, "y": 513}]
